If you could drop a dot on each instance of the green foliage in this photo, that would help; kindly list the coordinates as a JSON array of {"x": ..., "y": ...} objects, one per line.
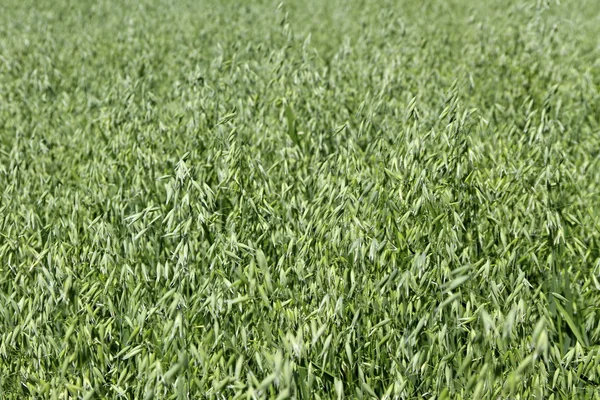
[{"x": 317, "y": 199}]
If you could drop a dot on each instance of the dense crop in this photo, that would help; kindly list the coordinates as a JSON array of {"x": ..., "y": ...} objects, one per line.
[{"x": 312, "y": 199}]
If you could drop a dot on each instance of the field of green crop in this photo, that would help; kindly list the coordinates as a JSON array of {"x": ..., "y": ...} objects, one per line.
[{"x": 317, "y": 199}]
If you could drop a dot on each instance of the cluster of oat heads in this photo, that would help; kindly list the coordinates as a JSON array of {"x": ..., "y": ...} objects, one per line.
[{"x": 317, "y": 199}]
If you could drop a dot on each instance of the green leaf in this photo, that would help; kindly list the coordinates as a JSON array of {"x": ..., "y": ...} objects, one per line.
[
  {"x": 570, "y": 322},
  {"x": 291, "y": 123}
]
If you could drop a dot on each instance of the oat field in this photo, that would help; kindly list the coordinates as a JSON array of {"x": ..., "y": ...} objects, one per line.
[{"x": 318, "y": 199}]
